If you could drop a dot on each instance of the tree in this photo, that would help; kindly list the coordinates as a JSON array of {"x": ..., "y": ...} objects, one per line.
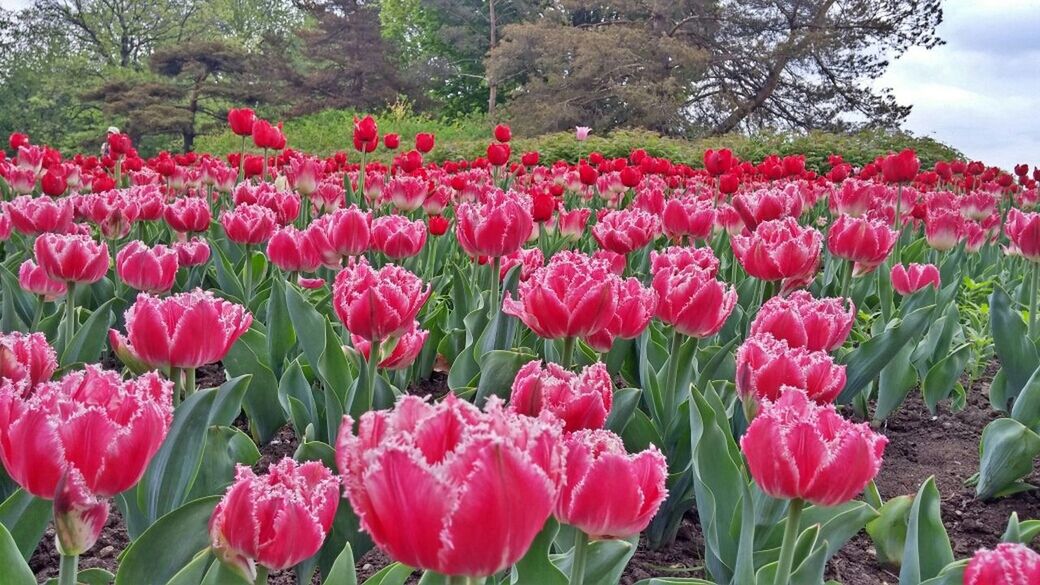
[{"x": 189, "y": 84}]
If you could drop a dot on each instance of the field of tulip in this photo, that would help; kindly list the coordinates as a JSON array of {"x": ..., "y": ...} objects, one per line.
[{"x": 272, "y": 367}]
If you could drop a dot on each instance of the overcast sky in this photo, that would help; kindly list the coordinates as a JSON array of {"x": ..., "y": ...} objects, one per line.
[{"x": 980, "y": 92}]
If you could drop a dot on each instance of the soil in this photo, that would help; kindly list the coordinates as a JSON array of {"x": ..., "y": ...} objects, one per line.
[{"x": 920, "y": 445}]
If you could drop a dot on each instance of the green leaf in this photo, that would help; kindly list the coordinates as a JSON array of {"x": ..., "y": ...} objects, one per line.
[
  {"x": 498, "y": 370},
  {"x": 227, "y": 278},
  {"x": 281, "y": 337},
  {"x": 1018, "y": 355},
  {"x": 943, "y": 375},
  {"x": 221, "y": 574},
  {"x": 342, "y": 572},
  {"x": 194, "y": 572},
  {"x": 90, "y": 338},
  {"x": 888, "y": 531},
  {"x": 261, "y": 404},
  {"x": 1026, "y": 409},
  {"x": 626, "y": 400},
  {"x": 1006, "y": 454},
  {"x": 226, "y": 447},
  {"x": 395, "y": 574},
  {"x": 536, "y": 566},
  {"x": 15, "y": 570},
  {"x": 605, "y": 560},
  {"x": 297, "y": 398},
  {"x": 927, "y": 548},
  {"x": 26, "y": 518},
  {"x": 1020, "y": 532},
  {"x": 866, "y": 361},
  {"x": 171, "y": 543},
  {"x": 90, "y": 577}
]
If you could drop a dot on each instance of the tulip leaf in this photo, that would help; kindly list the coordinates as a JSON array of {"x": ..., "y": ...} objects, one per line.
[
  {"x": 626, "y": 400},
  {"x": 1026, "y": 409},
  {"x": 673, "y": 581},
  {"x": 221, "y": 574},
  {"x": 227, "y": 278},
  {"x": 297, "y": 398},
  {"x": 193, "y": 572},
  {"x": 89, "y": 577},
  {"x": 952, "y": 574},
  {"x": 941, "y": 378},
  {"x": 928, "y": 547},
  {"x": 394, "y": 574},
  {"x": 605, "y": 560},
  {"x": 226, "y": 447},
  {"x": 261, "y": 404},
  {"x": 536, "y": 566},
  {"x": 343, "y": 571},
  {"x": 25, "y": 517},
  {"x": 90, "y": 338},
  {"x": 888, "y": 531},
  {"x": 1007, "y": 451},
  {"x": 895, "y": 381},
  {"x": 281, "y": 337},
  {"x": 15, "y": 570},
  {"x": 498, "y": 370},
  {"x": 1020, "y": 532},
  {"x": 168, "y": 545},
  {"x": 1017, "y": 353},
  {"x": 866, "y": 361},
  {"x": 321, "y": 345}
]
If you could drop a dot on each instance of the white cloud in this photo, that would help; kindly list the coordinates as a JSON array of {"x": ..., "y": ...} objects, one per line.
[{"x": 980, "y": 92}]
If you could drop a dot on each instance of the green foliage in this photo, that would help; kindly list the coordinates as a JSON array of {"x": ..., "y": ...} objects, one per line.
[{"x": 330, "y": 130}]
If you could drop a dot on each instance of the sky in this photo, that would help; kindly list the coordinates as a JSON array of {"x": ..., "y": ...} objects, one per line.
[{"x": 980, "y": 92}]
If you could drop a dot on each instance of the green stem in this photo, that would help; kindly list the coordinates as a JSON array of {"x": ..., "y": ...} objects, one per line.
[
  {"x": 1033, "y": 300},
  {"x": 670, "y": 391},
  {"x": 496, "y": 301},
  {"x": 247, "y": 275},
  {"x": 261, "y": 575},
  {"x": 361, "y": 180},
  {"x": 846, "y": 280},
  {"x": 898, "y": 223},
  {"x": 581, "y": 545},
  {"x": 70, "y": 313},
  {"x": 241, "y": 157},
  {"x": 68, "y": 569},
  {"x": 175, "y": 377},
  {"x": 568, "y": 352},
  {"x": 189, "y": 382},
  {"x": 783, "y": 567},
  {"x": 37, "y": 313},
  {"x": 373, "y": 364}
]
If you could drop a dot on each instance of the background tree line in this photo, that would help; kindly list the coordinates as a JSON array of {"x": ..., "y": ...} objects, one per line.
[{"x": 167, "y": 70}]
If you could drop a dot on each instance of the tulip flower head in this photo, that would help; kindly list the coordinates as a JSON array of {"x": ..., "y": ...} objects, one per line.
[
  {"x": 581, "y": 401},
  {"x": 692, "y": 301},
  {"x": 766, "y": 364},
  {"x": 796, "y": 448},
  {"x": 26, "y": 360},
  {"x": 495, "y": 226},
  {"x": 397, "y": 237},
  {"x": 150, "y": 270},
  {"x": 862, "y": 240},
  {"x": 377, "y": 305},
  {"x": 626, "y": 230},
  {"x": 804, "y": 321},
  {"x": 906, "y": 280},
  {"x": 33, "y": 279},
  {"x": 1007, "y": 564},
  {"x": 403, "y": 353},
  {"x": 1023, "y": 229},
  {"x": 71, "y": 258},
  {"x": 480, "y": 485},
  {"x": 780, "y": 249}
]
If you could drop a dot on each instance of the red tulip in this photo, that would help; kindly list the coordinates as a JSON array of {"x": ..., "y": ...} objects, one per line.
[
  {"x": 341, "y": 234},
  {"x": 610, "y": 493},
  {"x": 188, "y": 214},
  {"x": 292, "y": 250},
  {"x": 802, "y": 321},
  {"x": 241, "y": 121},
  {"x": 498, "y": 154},
  {"x": 862, "y": 240},
  {"x": 692, "y": 301},
  {"x": 34, "y": 279},
  {"x": 542, "y": 207},
  {"x": 397, "y": 237},
  {"x": 718, "y": 162},
  {"x": 574, "y": 296},
  {"x": 26, "y": 360},
  {"x": 1023, "y": 229},
  {"x": 581, "y": 401},
  {"x": 391, "y": 141},
  {"x": 404, "y": 352},
  {"x": 1007, "y": 564},
  {"x": 530, "y": 159},
  {"x": 81, "y": 440},
  {"x": 688, "y": 217},
  {"x": 626, "y": 231},
  {"x": 424, "y": 142},
  {"x": 71, "y": 258},
  {"x": 729, "y": 183},
  {"x": 185, "y": 330},
  {"x": 503, "y": 133},
  {"x": 365, "y": 129},
  {"x": 192, "y": 253},
  {"x": 377, "y": 305},
  {"x": 267, "y": 135},
  {"x": 572, "y": 223},
  {"x": 438, "y": 225},
  {"x": 480, "y": 485},
  {"x": 796, "y": 448},
  {"x": 528, "y": 259},
  {"x": 908, "y": 280},
  {"x": 766, "y": 364},
  {"x": 276, "y": 520},
  {"x": 32, "y": 216},
  {"x": 498, "y": 224},
  {"x": 17, "y": 140},
  {"x": 150, "y": 270},
  {"x": 900, "y": 168},
  {"x": 679, "y": 257},
  {"x": 248, "y": 225},
  {"x": 780, "y": 249},
  {"x": 53, "y": 182}
]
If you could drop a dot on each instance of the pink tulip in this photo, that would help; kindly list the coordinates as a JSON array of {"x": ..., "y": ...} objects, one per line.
[
  {"x": 448, "y": 488},
  {"x": 944, "y": 229},
  {"x": 341, "y": 234},
  {"x": 32, "y": 216},
  {"x": 581, "y": 401},
  {"x": 862, "y": 240},
  {"x": 573, "y": 296},
  {"x": 305, "y": 173},
  {"x": 404, "y": 352},
  {"x": 150, "y": 270},
  {"x": 626, "y": 231},
  {"x": 495, "y": 226},
  {"x": 757, "y": 207},
  {"x": 406, "y": 193},
  {"x": 188, "y": 214},
  {"x": 1023, "y": 229},
  {"x": 193, "y": 252},
  {"x": 796, "y": 448},
  {"x": 276, "y": 520},
  {"x": 635, "y": 308},
  {"x": 26, "y": 359},
  {"x": 688, "y": 217},
  {"x": 185, "y": 330},
  {"x": 71, "y": 258},
  {"x": 1007, "y": 564},
  {"x": 780, "y": 250},
  {"x": 571, "y": 224},
  {"x": 908, "y": 280},
  {"x": 292, "y": 250},
  {"x": 610, "y": 493},
  {"x": 803, "y": 321},
  {"x": 82, "y": 440},
  {"x": 766, "y": 364},
  {"x": 692, "y": 301},
  {"x": 397, "y": 237},
  {"x": 679, "y": 257},
  {"x": 249, "y": 225},
  {"x": 34, "y": 279},
  {"x": 377, "y": 305}
]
